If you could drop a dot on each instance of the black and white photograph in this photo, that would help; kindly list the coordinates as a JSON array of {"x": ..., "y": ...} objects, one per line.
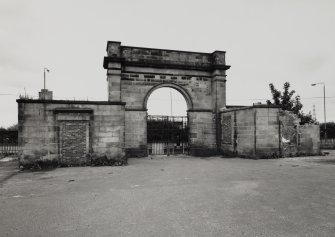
[{"x": 167, "y": 118}]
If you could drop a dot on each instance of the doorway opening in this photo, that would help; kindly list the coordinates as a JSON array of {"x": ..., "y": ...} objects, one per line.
[{"x": 167, "y": 123}]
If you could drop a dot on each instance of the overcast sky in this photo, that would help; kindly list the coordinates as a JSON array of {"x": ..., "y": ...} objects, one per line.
[{"x": 266, "y": 41}]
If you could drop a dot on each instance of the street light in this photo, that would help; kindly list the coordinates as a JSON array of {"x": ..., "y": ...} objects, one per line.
[{"x": 324, "y": 104}]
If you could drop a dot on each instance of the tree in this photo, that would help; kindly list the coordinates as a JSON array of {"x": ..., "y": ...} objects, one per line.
[
  {"x": 330, "y": 130},
  {"x": 287, "y": 101},
  {"x": 13, "y": 127}
]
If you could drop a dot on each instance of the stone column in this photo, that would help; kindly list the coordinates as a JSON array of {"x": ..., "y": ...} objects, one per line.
[
  {"x": 114, "y": 71},
  {"x": 219, "y": 80},
  {"x": 218, "y": 91}
]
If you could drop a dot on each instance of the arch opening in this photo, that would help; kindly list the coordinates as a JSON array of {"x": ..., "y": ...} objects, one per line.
[
  {"x": 175, "y": 88},
  {"x": 167, "y": 122},
  {"x": 168, "y": 102}
]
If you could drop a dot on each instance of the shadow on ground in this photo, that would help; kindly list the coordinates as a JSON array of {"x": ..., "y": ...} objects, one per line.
[
  {"x": 325, "y": 161},
  {"x": 8, "y": 169}
]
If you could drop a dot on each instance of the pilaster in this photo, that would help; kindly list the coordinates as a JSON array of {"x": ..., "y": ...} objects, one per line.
[{"x": 114, "y": 71}]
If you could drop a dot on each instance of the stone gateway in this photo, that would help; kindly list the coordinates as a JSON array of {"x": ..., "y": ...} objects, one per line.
[
  {"x": 134, "y": 73},
  {"x": 107, "y": 132}
]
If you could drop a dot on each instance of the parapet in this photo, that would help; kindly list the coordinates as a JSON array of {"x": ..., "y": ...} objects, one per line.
[{"x": 163, "y": 58}]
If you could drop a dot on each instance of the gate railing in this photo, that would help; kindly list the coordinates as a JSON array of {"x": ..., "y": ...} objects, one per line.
[
  {"x": 167, "y": 134},
  {"x": 9, "y": 148}
]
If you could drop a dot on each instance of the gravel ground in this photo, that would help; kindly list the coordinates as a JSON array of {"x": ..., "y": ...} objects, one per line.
[{"x": 173, "y": 196}]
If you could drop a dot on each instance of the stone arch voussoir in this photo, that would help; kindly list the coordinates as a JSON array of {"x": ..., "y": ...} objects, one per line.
[{"x": 177, "y": 87}]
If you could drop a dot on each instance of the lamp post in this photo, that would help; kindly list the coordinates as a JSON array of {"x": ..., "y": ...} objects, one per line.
[
  {"x": 45, "y": 69},
  {"x": 324, "y": 104}
]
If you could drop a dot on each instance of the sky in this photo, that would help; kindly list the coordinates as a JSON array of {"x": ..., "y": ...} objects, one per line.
[
  {"x": 265, "y": 41},
  {"x": 173, "y": 101}
]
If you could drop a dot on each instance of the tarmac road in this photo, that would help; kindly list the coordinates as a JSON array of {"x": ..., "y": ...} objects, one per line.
[{"x": 174, "y": 196}]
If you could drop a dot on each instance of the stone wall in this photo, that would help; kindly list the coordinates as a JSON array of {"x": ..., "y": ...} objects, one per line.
[
  {"x": 71, "y": 132},
  {"x": 309, "y": 139},
  {"x": 136, "y": 133},
  {"x": 238, "y": 131},
  {"x": 202, "y": 135},
  {"x": 169, "y": 58},
  {"x": 289, "y": 132},
  {"x": 267, "y": 132},
  {"x": 137, "y": 87},
  {"x": 262, "y": 131}
]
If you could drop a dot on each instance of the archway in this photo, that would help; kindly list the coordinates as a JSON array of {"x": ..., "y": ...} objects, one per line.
[
  {"x": 133, "y": 73},
  {"x": 176, "y": 87},
  {"x": 167, "y": 121}
]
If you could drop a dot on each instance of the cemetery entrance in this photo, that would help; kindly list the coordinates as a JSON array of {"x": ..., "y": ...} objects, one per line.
[
  {"x": 167, "y": 135},
  {"x": 134, "y": 73}
]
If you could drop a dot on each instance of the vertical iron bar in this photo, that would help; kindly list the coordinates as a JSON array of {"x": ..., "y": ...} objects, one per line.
[
  {"x": 324, "y": 108},
  {"x": 279, "y": 136},
  {"x": 255, "y": 133}
]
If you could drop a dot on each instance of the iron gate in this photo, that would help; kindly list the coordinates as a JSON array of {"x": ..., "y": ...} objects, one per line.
[{"x": 167, "y": 135}]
